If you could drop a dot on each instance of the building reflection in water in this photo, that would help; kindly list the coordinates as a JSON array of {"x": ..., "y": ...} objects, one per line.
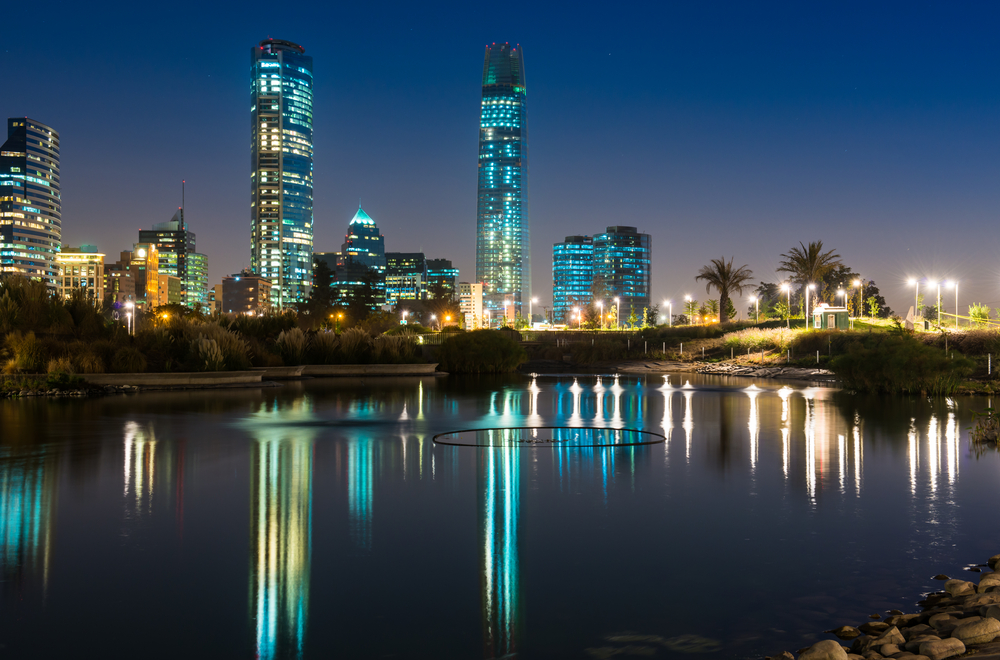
[
  {"x": 281, "y": 527},
  {"x": 499, "y": 506},
  {"x": 360, "y": 472},
  {"x": 140, "y": 467},
  {"x": 27, "y": 512}
]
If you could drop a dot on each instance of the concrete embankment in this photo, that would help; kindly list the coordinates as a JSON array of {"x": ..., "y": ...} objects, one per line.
[{"x": 961, "y": 621}]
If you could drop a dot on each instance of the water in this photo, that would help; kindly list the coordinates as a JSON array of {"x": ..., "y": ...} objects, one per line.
[{"x": 320, "y": 519}]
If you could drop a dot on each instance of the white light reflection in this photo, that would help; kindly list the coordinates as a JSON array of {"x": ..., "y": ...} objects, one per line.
[
  {"x": 842, "y": 458},
  {"x": 688, "y": 424},
  {"x": 784, "y": 393},
  {"x": 754, "y": 426},
  {"x": 951, "y": 435},
  {"x": 616, "y": 391},
  {"x": 912, "y": 439},
  {"x": 933, "y": 451},
  {"x": 858, "y": 454},
  {"x": 668, "y": 416},
  {"x": 810, "y": 431},
  {"x": 576, "y": 391}
]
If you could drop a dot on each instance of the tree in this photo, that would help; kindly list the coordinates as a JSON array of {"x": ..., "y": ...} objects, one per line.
[
  {"x": 731, "y": 312},
  {"x": 364, "y": 298},
  {"x": 767, "y": 294},
  {"x": 806, "y": 264},
  {"x": 712, "y": 307},
  {"x": 690, "y": 309},
  {"x": 725, "y": 279},
  {"x": 871, "y": 291}
]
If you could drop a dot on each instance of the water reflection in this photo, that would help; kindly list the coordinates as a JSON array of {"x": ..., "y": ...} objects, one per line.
[
  {"x": 281, "y": 528},
  {"x": 360, "y": 453},
  {"x": 499, "y": 506},
  {"x": 27, "y": 511}
]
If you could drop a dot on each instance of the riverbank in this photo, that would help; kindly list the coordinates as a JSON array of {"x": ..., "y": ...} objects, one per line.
[
  {"x": 673, "y": 366},
  {"x": 961, "y": 621}
]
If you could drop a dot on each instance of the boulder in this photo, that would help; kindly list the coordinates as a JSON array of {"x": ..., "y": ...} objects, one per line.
[
  {"x": 977, "y": 632},
  {"x": 873, "y": 655},
  {"x": 913, "y": 646},
  {"x": 941, "y": 621},
  {"x": 874, "y": 627},
  {"x": 845, "y": 632},
  {"x": 917, "y": 630},
  {"x": 959, "y": 588},
  {"x": 890, "y": 636},
  {"x": 853, "y": 656},
  {"x": 976, "y": 601},
  {"x": 888, "y": 650},
  {"x": 988, "y": 580},
  {"x": 993, "y": 611},
  {"x": 992, "y": 562},
  {"x": 862, "y": 644},
  {"x": 942, "y": 648},
  {"x": 825, "y": 650}
]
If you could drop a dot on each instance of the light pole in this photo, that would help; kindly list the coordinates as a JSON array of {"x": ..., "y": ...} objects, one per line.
[
  {"x": 531, "y": 313},
  {"x": 939, "y": 302},
  {"x": 809, "y": 287},
  {"x": 670, "y": 313},
  {"x": 955, "y": 284},
  {"x": 488, "y": 324},
  {"x": 861, "y": 307},
  {"x": 576, "y": 313},
  {"x": 403, "y": 318},
  {"x": 788, "y": 312},
  {"x": 618, "y": 313},
  {"x": 916, "y": 296},
  {"x": 434, "y": 318},
  {"x": 756, "y": 302},
  {"x": 600, "y": 305},
  {"x": 687, "y": 311},
  {"x": 129, "y": 306}
]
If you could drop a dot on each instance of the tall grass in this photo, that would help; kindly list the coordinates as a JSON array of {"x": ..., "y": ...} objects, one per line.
[
  {"x": 292, "y": 346},
  {"x": 355, "y": 346},
  {"x": 898, "y": 363},
  {"x": 759, "y": 339},
  {"x": 480, "y": 352},
  {"x": 323, "y": 348}
]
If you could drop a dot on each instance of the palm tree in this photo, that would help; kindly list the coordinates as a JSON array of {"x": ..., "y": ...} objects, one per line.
[
  {"x": 809, "y": 263},
  {"x": 721, "y": 276}
]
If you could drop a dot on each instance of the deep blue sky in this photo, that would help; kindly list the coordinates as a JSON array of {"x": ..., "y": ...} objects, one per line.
[{"x": 733, "y": 129}]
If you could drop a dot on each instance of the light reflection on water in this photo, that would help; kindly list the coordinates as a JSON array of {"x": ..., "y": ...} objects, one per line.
[{"x": 323, "y": 462}]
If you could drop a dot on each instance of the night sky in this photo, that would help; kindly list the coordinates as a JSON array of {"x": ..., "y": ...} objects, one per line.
[{"x": 733, "y": 129}]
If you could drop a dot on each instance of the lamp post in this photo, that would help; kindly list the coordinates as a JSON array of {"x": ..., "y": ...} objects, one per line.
[
  {"x": 955, "y": 284},
  {"x": 618, "y": 313},
  {"x": 128, "y": 315},
  {"x": 756, "y": 302},
  {"x": 339, "y": 317},
  {"x": 600, "y": 305},
  {"x": 670, "y": 313},
  {"x": 404, "y": 318},
  {"x": 788, "y": 312},
  {"x": 531, "y": 313},
  {"x": 434, "y": 318},
  {"x": 687, "y": 299},
  {"x": 939, "y": 302},
  {"x": 576, "y": 313},
  {"x": 916, "y": 296},
  {"x": 861, "y": 307},
  {"x": 809, "y": 287},
  {"x": 488, "y": 324}
]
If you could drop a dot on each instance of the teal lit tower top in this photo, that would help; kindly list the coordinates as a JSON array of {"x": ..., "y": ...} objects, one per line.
[
  {"x": 503, "y": 264},
  {"x": 281, "y": 180}
]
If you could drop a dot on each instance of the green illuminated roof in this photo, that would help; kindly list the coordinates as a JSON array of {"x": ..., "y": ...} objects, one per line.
[{"x": 362, "y": 218}]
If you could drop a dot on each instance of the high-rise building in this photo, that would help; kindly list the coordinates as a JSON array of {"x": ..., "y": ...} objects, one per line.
[
  {"x": 503, "y": 263},
  {"x": 144, "y": 264},
  {"x": 572, "y": 276},
  {"x": 405, "y": 277},
  {"x": 281, "y": 183},
  {"x": 176, "y": 246},
  {"x": 442, "y": 278},
  {"x": 622, "y": 268},
  {"x": 81, "y": 269},
  {"x": 470, "y": 305},
  {"x": 30, "y": 201},
  {"x": 245, "y": 293},
  {"x": 361, "y": 258}
]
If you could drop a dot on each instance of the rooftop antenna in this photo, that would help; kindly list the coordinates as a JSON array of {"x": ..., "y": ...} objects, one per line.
[{"x": 182, "y": 203}]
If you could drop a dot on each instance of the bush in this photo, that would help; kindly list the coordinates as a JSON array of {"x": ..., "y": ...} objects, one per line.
[
  {"x": 355, "y": 346},
  {"x": 59, "y": 365},
  {"x": 207, "y": 355},
  {"x": 291, "y": 346},
  {"x": 394, "y": 349},
  {"x": 600, "y": 348},
  {"x": 128, "y": 360},
  {"x": 480, "y": 352},
  {"x": 758, "y": 339},
  {"x": 235, "y": 351},
  {"x": 898, "y": 363},
  {"x": 978, "y": 341},
  {"x": 88, "y": 362},
  {"x": 323, "y": 348},
  {"x": 27, "y": 355}
]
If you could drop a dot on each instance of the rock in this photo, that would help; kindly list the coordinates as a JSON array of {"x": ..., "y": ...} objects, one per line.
[
  {"x": 942, "y": 648},
  {"x": 993, "y": 611},
  {"x": 784, "y": 655},
  {"x": 979, "y": 600},
  {"x": 845, "y": 632},
  {"x": 825, "y": 650},
  {"x": 992, "y": 562},
  {"x": 890, "y": 636},
  {"x": 873, "y": 627},
  {"x": 874, "y": 616},
  {"x": 853, "y": 656},
  {"x": 873, "y": 655},
  {"x": 917, "y": 630},
  {"x": 896, "y": 612},
  {"x": 941, "y": 621},
  {"x": 988, "y": 580},
  {"x": 977, "y": 632},
  {"x": 940, "y": 576},
  {"x": 862, "y": 644},
  {"x": 913, "y": 646},
  {"x": 888, "y": 650},
  {"x": 959, "y": 588}
]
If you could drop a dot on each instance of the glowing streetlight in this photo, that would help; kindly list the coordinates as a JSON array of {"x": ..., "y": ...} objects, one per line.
[
  {"x": 531, "y": 313},
  {"x": 809, "y": 287},
  {"x": 860, "y": 283},
  {"x": 578, "y": 315},
  {"x": 618, "y": 312},
  {"x": 788, "y": 313},
  {"x": 939, "y": 302},
  {"x": 434, "y": 318},
  {"x": 756, "y": 303},
  {"x": 403, "y": 322},
  {"x": 600, "y": 303},
  {"x": 670, "y": 313},
  {"x": 129, "y": 305},
  {"x": 916, "y": 296}
]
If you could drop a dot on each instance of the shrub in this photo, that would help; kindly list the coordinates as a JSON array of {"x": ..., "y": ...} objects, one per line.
[
  {"x": 394, "y": 349},
  {"x": 291, "y": 346},
  {"x": 207, "y": 354},
  {"x": 355, "y": 346},
  {"x": 481, "y": 352},
  {"x": 979, "y": 313},
  {"x": 88, "y": 362},
  {"x": 59, "y": 365},
  {"x": 128, "y": 360},
  {"x": 234, "y": 350},
  {"x": 600, "y": 348},
  {"x": 758, "y": 339},
  {"x": 898, "y": 363},
  {"x": 27, "y": 353},
  {"x": 323, "y": 348}
]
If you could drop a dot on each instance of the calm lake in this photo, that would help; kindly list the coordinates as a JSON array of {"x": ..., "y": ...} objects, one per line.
[{"x": 319, "y": 519}]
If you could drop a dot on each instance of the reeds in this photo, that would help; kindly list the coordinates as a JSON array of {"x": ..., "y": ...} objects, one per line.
[{"x": 481, "y": 352}]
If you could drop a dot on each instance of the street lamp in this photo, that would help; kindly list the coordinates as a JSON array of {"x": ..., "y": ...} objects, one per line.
[
  {"x": 531, "y": 313},
  {"x": 939, "y": 302},
  {"x": 488, "y": 324},
  {"x": 129, "y": 305},
  {"x": 788, "y": 312},
  {"x": 404, "y": 318},
  {"x": 576, "y": 313},
  {"x": 618, "y": 313},
  {"x": 434, "y": 318},
  {"x": 916, "y": 296},
  {"x": 687, "y": 299},
  {"x": 600, "y": 303},
  {"x": 861, "y": 307},
  {"x": 955, "y": 284},
  {"x": 809, "y": 287},
  {"x": 670, "y": 313},
  {"x": 756, "y": 302}
]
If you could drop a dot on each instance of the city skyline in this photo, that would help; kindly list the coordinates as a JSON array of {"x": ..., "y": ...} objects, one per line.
[{"x": 876, "y": 138}]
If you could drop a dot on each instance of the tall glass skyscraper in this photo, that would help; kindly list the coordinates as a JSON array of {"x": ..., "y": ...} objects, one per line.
[
  {"x": 503, "y": 263},
  {"x": 281, "y": 182},
  {"x": 572, "y": 276},
  {"x": 622, "y": 267},
  {"x": 176, "y": 247},
  {"x": 30, "y": 201}
]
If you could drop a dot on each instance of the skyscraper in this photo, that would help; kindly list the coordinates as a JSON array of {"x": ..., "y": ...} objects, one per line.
[
  {"x": 361, "y": 258},
  {"x": 175, "y": 244},
  {"x": 572, "y": 276},
  {"x": 281, "y": 182},
  {"x": 503, "y": 262},
  {"x": 30, "y": 202},
  {"x": 621, "y": 268}
]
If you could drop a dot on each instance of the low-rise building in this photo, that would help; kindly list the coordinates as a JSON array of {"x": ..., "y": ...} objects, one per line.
[
  {"x": 245, "y": 293},
  {"x": 81, "y": 269},
  {"x": 168, "y": 290},
  {"x": 470, "y": 304}
]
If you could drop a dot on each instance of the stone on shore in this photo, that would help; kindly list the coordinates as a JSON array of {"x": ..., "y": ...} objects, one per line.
[
  {"x": 825, "y": 650},
  {"x": 957, "y": 588},
  {"x": 993, "y": 611},
  {"x": 862, "y": 644},
  {"x": 987, "y": 581},
  {"x": 977, "y": 632},
  {"x": 845, "y": 632},
  {"x": 917, "y": 630},
  {"x": 913, "y": 646},
  {"x": 992, "y": 562},
  {"x": 874, "y": 627},
  {"x": 890, "y": 636},
  {"x": 888, "y": 650},
  {"x": 942, "y": 648}
]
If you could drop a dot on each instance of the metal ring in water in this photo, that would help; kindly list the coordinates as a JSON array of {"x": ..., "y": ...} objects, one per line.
[{"x": 552, "y": 436}]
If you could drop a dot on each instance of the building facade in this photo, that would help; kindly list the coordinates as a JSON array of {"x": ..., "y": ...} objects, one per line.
[
  {"x": 246, "y": 293},
  {"x": 144, "y": 265},
  {"x": 281, "y": 195},
  {"x": 30, "y": 201},
  {"x": 361, "y": 259},
  {"x": 572, "y": 276},
  {"x": 176, "y": 247},
  {"x": 622, "y": 259},
  {"x": 442, "y": 279},
  {"x": 503, "y": 263},
  {"x": 470, "y": 305},
  {"x": 405, "y": 277},
  {"x": 81, "y": 269}
]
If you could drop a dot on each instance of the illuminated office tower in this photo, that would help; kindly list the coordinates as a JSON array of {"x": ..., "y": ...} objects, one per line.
[
  {"x": 442, "y": 279},
  {"x": 503, "y": 263},
  {"x": 572, "y": 276},
  {"x": 622, "y": 268},
  {"x": 281, "y": 182},
  {"x": 30, "y": 202},
  {"x": 175, "y": 245}
]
